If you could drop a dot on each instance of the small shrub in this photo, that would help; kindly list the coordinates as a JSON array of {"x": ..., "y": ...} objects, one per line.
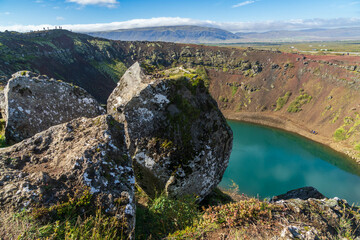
[
  {"x": 233, "y": 90},
  {"x": 282, "y": 101},
  {"x": 223, "y": 99},
  {"x": 340, "y": 134},
  {"x": 299, "y": 101},
  {"x": 357, "y": 147}
]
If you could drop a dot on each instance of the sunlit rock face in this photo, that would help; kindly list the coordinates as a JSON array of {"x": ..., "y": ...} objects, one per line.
[
  {"x": 178, "y": 138},
  {"x": 33, "y": 103}
]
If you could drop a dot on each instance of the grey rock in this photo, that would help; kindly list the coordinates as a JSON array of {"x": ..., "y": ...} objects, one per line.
[
  {"x": 179, "y": 139},
  {"x": 67, "y": 159},
  {"x": 33, "y": 103},
  {"x": 299, "y": 232}
]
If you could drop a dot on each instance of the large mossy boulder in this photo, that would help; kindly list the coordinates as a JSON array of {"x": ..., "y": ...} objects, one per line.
[
  {"x": 33, "y": 103},
  {"x": 83, "y": 155},
  {"x": 178, "y": 138}
]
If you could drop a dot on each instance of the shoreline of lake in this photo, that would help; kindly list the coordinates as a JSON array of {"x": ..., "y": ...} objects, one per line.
[
  {"x": 281, "y": 122},
  {"x": 267, "y": 162}
]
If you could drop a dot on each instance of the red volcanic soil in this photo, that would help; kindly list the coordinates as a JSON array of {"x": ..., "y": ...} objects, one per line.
[
  {"x": 333, "y": 82},
  {"x": 347, "y": 59}
]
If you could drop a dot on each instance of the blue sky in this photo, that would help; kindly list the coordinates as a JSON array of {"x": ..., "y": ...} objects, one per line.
[{"x": 233, "y": 15}]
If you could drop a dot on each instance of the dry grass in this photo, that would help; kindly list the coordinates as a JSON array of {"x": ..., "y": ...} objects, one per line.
[{"x": 14, "y": 225}]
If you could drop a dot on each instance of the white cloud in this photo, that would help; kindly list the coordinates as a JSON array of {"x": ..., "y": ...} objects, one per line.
[
  {"x": 5, "y": 13},
  {"x": 106, "y": 3},
  {"x": 242, "y": 4},
  {"x": 60, "y": 18},
  {"x": 261, "y": 26}
]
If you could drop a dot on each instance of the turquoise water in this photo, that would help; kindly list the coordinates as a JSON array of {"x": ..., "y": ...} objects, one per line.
[{"x": 266, "y": 162}]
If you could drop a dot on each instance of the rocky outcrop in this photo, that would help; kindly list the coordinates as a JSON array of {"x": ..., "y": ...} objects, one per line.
[
  {"x": 33, "y": 103},
  {"x": 179, "y": 140},
  {"x": 310, "y": 215},
  {"x": 67, "y": 159},
  {"x": 313, "y": 219},
  {"x": 301, "y": 193}
]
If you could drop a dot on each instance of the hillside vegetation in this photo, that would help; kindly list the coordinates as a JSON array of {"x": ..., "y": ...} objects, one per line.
[{"x": 325, "y": 89}]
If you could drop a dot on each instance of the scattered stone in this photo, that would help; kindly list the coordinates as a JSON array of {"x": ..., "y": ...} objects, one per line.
[
  {"x": 68, "y": 159},
  {"x": 275, "y": 66},
  {"x": 179, "y": 140},
  {"x": 33, "y": 103}
]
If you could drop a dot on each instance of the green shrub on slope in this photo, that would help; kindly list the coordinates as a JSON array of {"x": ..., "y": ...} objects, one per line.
[{"x": 282, "y": 101}]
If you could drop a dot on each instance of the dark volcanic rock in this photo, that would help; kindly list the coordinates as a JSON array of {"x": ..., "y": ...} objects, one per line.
[
  {"x": 301, "y": 193},
  {"x": 33, "y": 103},
  {"x": 179, "y": 139},
  {"x": 69, "y": 158}
]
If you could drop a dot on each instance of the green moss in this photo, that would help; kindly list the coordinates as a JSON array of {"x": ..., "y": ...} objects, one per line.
[
  {"x": 179, "y": 129},
  {"x": 299, "y": 101},
  {"x": 282, "y": 101}
]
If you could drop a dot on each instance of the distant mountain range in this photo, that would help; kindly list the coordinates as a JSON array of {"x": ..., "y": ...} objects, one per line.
[
  {"x": 180, "y": 34},
  {"x": 197, "y": 34},
  {"x": 336, "y": 34}
]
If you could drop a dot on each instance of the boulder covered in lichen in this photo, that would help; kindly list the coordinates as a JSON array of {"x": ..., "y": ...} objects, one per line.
[
  {"x": 33, "y": 103},
  {"x": 178, "y": 138},
  {"x": 84, "y": 159}
]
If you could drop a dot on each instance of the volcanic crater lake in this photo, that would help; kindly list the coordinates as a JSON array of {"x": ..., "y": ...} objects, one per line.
[{"x": 266, "y": 162}]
